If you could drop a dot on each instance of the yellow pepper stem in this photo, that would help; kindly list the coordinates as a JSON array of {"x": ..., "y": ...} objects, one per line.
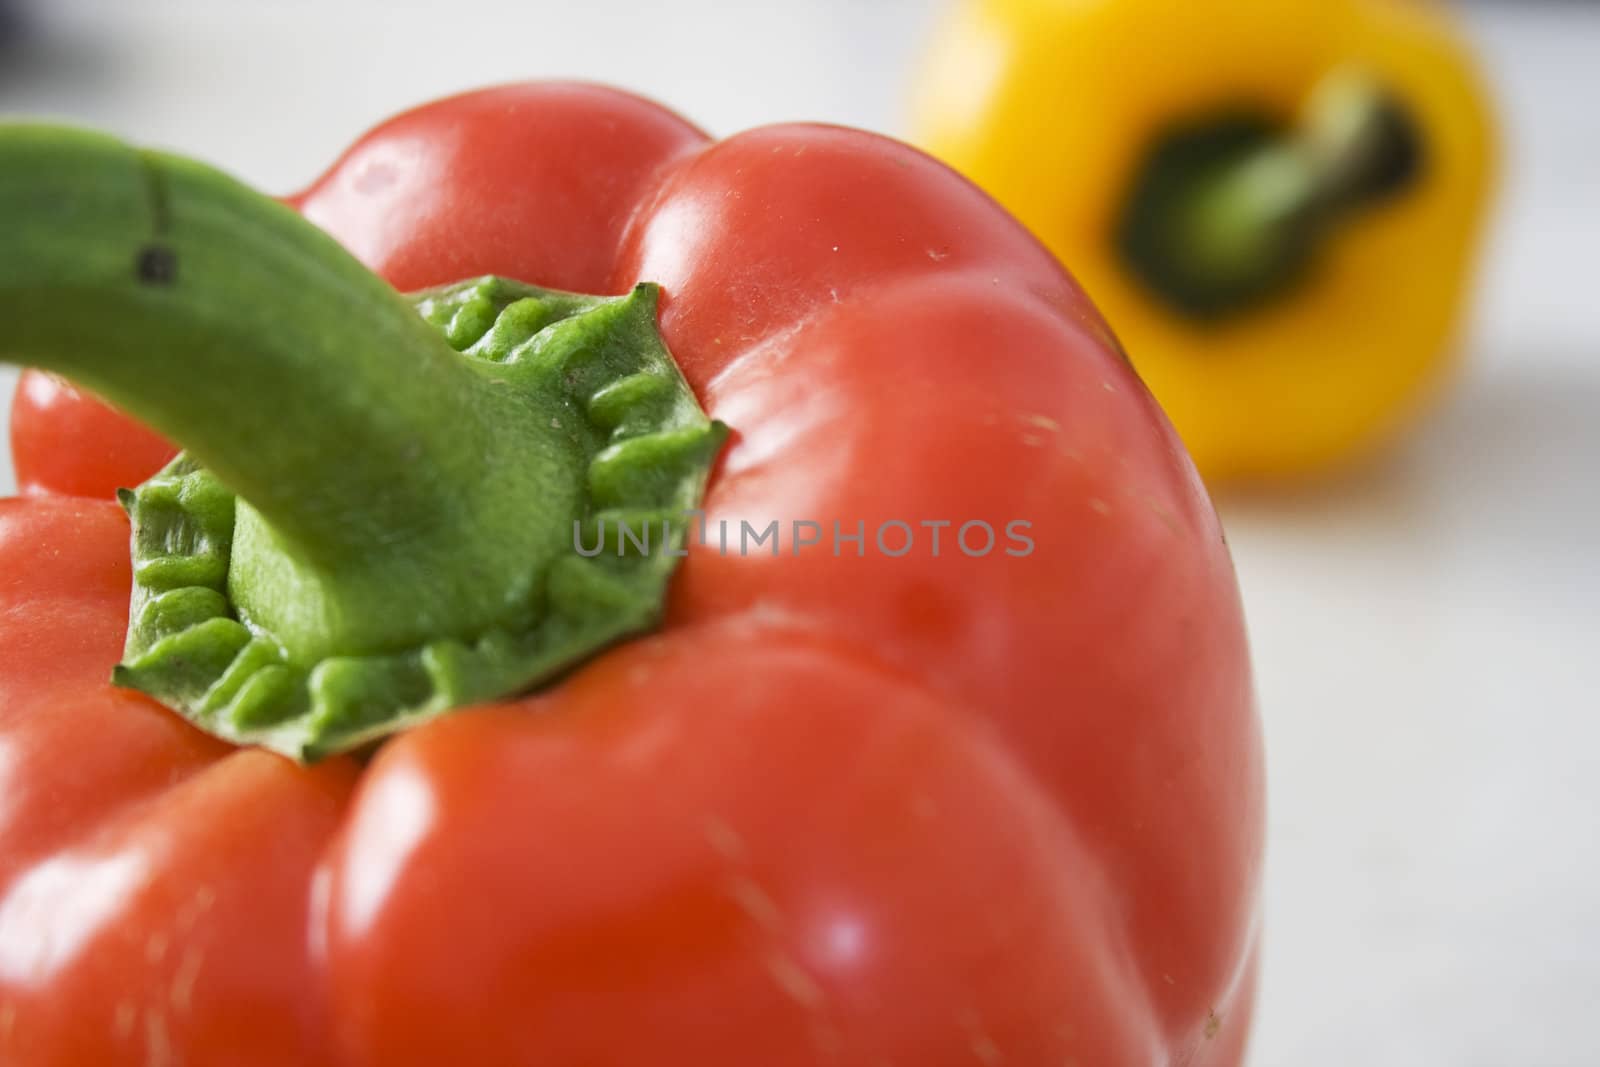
[{"x": 1230, "y": 211}]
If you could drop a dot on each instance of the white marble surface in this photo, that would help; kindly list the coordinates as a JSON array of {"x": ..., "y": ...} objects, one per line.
[{"x": 1427, "y": 634}]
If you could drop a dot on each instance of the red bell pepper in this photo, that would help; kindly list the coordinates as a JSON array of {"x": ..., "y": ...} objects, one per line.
[{"x": 847, "y": 805}]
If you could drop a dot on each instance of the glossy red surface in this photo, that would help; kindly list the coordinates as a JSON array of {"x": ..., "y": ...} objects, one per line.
[{"x": 924, "y": 809}]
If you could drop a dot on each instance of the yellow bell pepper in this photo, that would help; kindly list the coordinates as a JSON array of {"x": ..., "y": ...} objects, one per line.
[{"x": 1276, "y": 203}]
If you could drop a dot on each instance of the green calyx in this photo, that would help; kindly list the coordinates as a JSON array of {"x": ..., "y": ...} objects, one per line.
[
  {"x": 387, "y": 507},
  {"x": 1230, "y": 211}
]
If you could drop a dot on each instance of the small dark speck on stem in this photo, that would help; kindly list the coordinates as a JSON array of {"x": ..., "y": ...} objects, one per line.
[{"x": 156, "y": 265}]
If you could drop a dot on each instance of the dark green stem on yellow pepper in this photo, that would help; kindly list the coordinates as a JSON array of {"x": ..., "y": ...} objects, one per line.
[
  {"x": 374, "y": 517},
  {"x": 1231, "y": 211}
]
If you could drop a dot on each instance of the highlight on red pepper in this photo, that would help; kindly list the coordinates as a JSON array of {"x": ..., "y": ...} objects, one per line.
[{"x": 947, "y": 755}]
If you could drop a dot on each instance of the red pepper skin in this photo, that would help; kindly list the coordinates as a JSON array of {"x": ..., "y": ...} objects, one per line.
[
  {"x": 63, "y": 440},
  {"x": 841, "y": 810}
]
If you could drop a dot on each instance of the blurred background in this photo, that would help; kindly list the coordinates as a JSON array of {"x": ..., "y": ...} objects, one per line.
[{"x": 1426, "y": 630}]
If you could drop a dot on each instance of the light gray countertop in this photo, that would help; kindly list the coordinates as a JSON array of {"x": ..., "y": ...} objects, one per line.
[{"x": 1427, "y": 633}]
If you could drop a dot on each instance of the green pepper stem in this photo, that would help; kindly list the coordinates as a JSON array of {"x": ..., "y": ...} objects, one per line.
[
  {"x": 1229, "y": 211},
  {"x": 235, "y": 327},
  {"x": 374, "y": 519}
]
